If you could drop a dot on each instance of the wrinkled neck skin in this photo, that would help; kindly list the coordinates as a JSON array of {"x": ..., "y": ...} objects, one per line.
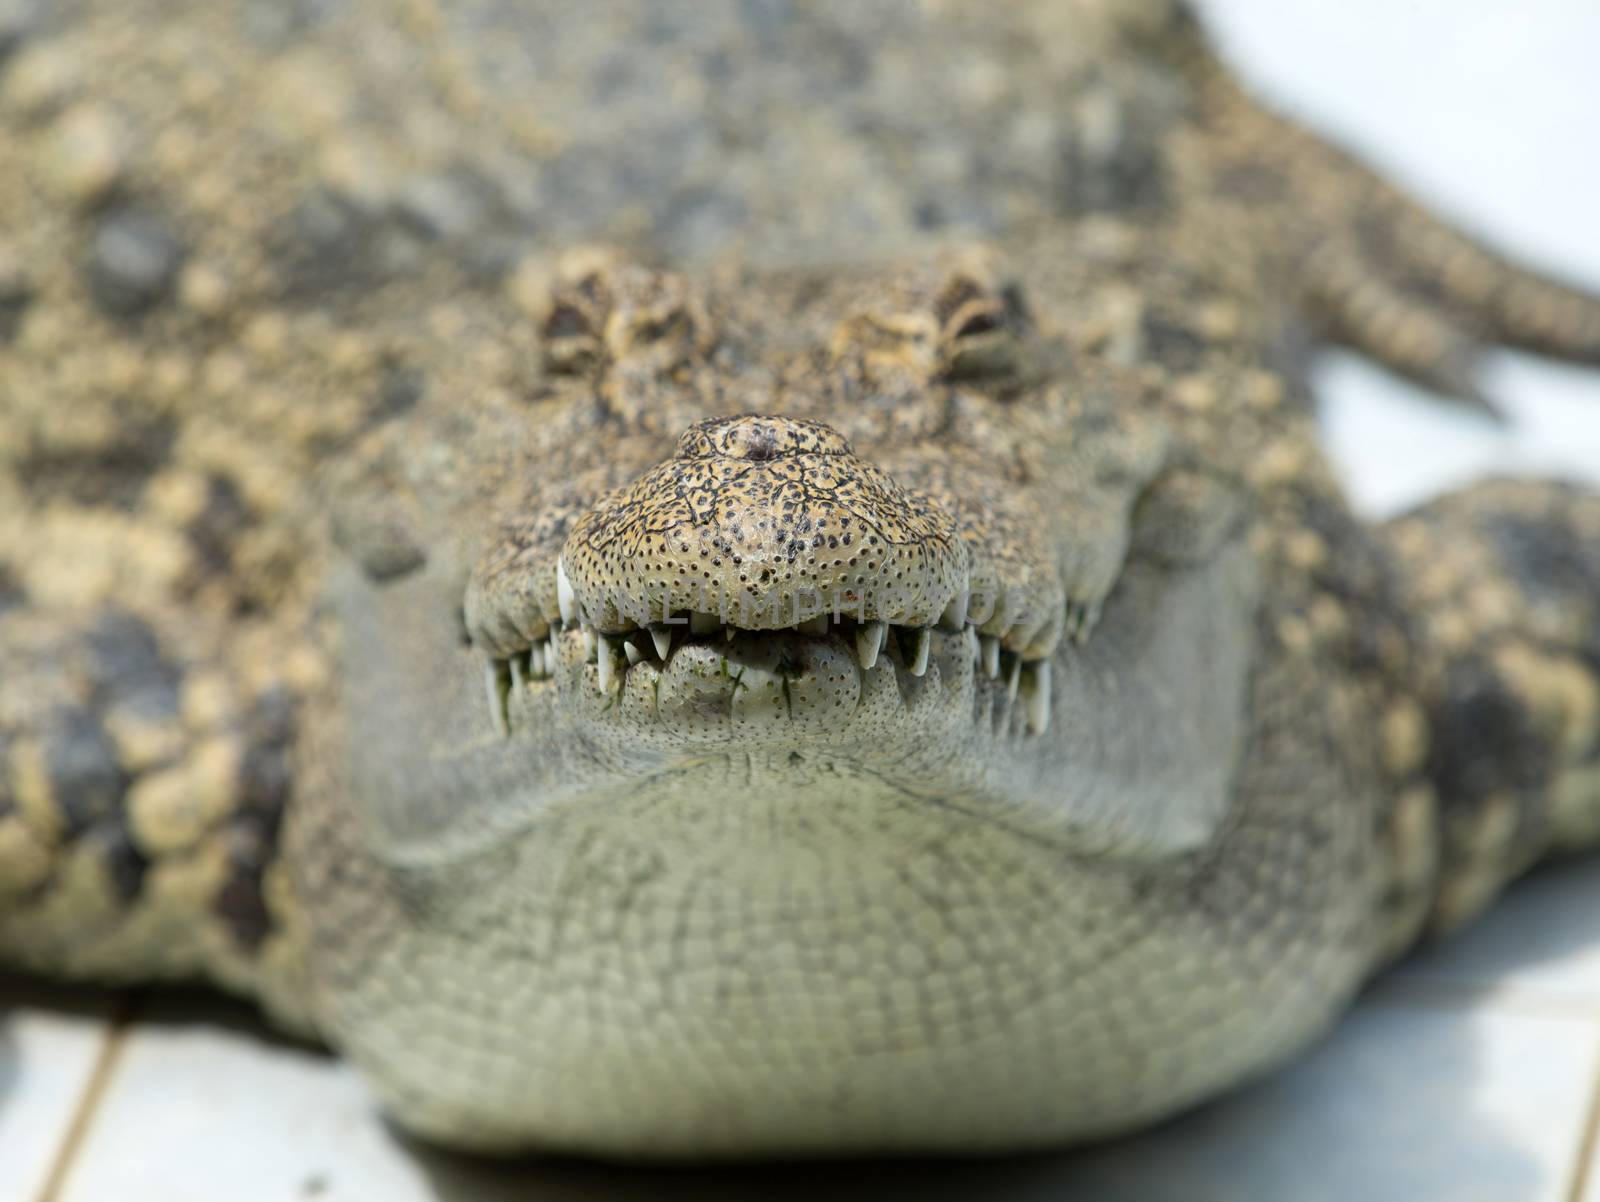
[{"x": 1137, "y": 767}]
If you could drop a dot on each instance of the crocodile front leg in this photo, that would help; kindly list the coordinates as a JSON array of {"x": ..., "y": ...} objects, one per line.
[
  {"x": 144, "y": 773},
  {"x": 1504, "y": 577}
]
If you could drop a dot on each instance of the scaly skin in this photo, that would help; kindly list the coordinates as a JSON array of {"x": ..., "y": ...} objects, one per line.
[{"x": 860, "y": 687}]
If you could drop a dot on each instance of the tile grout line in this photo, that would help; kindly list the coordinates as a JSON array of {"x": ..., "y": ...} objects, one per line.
[
  {"x": 1588, "y": 1147},
  {"x": 61, "y": 1164}
]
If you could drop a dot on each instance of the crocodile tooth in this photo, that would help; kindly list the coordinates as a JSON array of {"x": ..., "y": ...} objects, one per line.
[
  {"x": 566, "y": 596},
  {"x": 1005, "y": 606},
  {"x": 1088, "y": 619},
  {"x": 955, "y": 614},
  {"x": 605, "y": 657},
  {"x": 661, "y": 635},
  {"x": 633, "y": 653},
  {"x": 518, "y": 679},
  {"x": 497, "y": 697},
  {"x": 540, "y": 664},
  {"x": 969, "y": 636},
  {"x": 869, "y": 641},
  {"x": 552, "y": 656},
  {"x": 920, "y": 649},
  {"x": 1014, "y": 680},
  {"x": 815, "y": 626},
  {"x": 701, "y": 623},
  {"x": 1039, "y": 698},
  {"x": 991, "y": 655},
  {"x": 727, "y": 634}
]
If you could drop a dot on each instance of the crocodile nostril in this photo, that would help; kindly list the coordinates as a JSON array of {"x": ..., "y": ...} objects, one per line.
[{"x": 762, "y": 446}]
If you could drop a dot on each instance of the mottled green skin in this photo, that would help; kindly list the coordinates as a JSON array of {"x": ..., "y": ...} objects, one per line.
[{"x": 351, "y": 497}]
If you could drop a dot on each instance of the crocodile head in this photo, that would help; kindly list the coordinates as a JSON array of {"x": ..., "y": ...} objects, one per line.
[
  {"x": 897, "y": 575},
  {"x": 776, "y": 598}
]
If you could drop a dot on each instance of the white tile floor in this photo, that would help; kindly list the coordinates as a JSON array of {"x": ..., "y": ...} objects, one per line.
[{"x": 1471, "y": 1074}]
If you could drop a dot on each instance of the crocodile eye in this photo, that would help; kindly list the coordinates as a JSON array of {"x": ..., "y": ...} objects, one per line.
[
  {"x": 979, "y": 329},
  {"x": 602, "y": 312},
  {"x": 571, "y": 332},
  {"x": 957, "y": 318}
]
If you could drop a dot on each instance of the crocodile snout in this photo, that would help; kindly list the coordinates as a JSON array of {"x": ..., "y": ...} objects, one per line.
[{"x": 765, "y": 523}]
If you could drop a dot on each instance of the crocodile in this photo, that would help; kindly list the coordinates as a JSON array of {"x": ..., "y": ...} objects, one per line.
[{"x": 746, "y": 579}]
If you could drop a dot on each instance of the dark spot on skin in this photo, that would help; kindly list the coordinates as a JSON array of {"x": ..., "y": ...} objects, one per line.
[
  {"x": 271, "y": 721},
  {"x": 133, "y": 262},
  {"x": 265, "y": 771},
  {"x": 8, "y": 801},
  {"x": 111, "y": 475},
  {"x": 1545, "y": 555},
  {"x": 11, "y": 591},
  {"x": 85, "y": 777},
  {"x": 1485, "y": 740},
  {"x": 401, "y": 389},
  {"x": 264, "y": 786},
  {"x": 218, "y": 526},
  {"x": 124, "y": 863},
  {"x": 15, "y": 296},
  {"x": 1170, "y": 344},
  {"x": 126, "y": 660},
  {"x": 264, "y": 780},
  {"x": 566, "y": 321},
  {"x": 243, "y": 911},
  {"x": 240, "y": 903}
]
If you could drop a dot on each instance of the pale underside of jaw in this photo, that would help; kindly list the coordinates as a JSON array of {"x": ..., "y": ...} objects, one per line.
[{"x": 657, "y": 646}]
